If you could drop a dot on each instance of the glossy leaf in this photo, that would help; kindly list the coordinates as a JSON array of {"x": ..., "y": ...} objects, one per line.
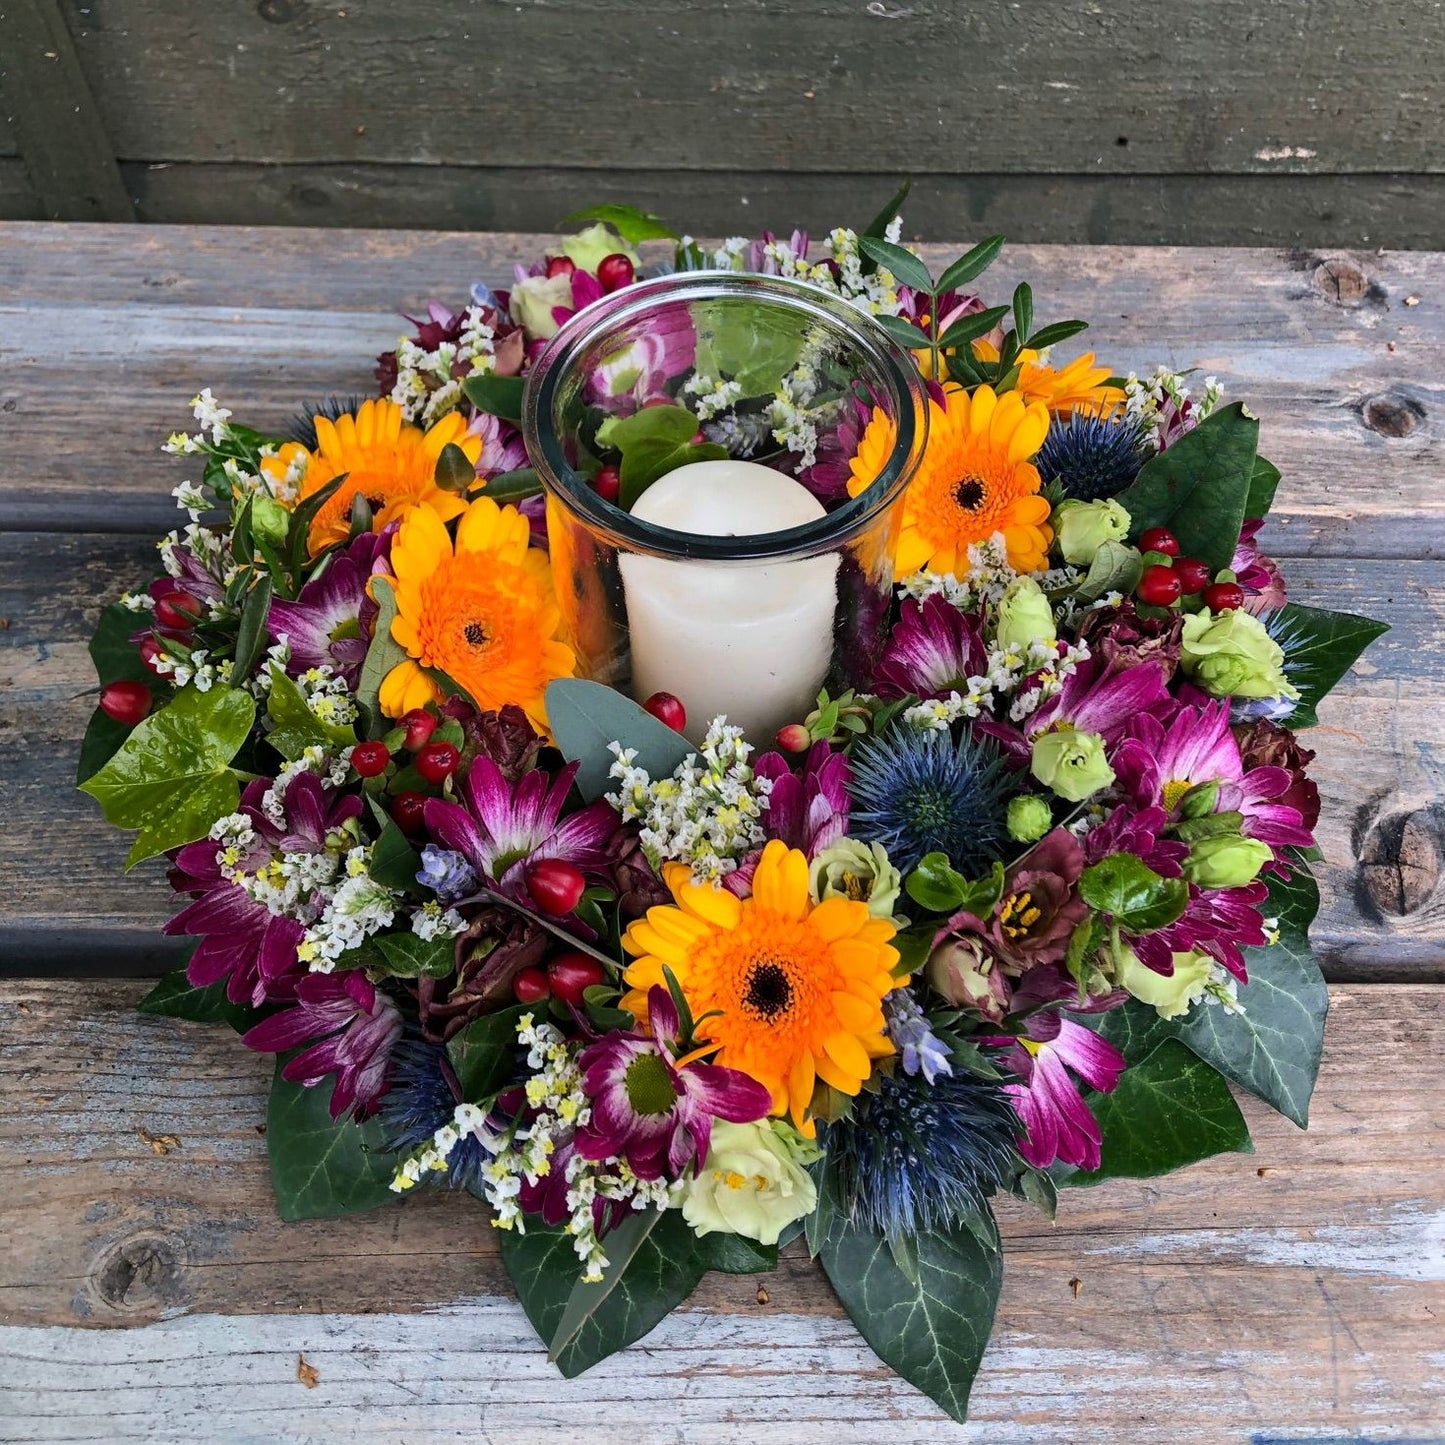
[
  {"x": 971, "y": 327},
  {"x": 171, "y": 778},
  {"x": 513, "y": 486},
  {"x": 294, "y": 726},
  {"x": 632, "y": 224},
  {"x": 1054, "y": 333},
  {"x": 251, "y": 634},
  {"x": 1023, "y": 309},
  {"x": 484, "y": 1054},
  {"x": 454, "y": 471},
  {"x": 1319, "y": 648},
  {"x": 653, "y": 442},
  {"x": 1262, "y": 484},
  {"x": 971, "y": 265},
  {"x": 321, "y": 1167},
  {"x": 732, "y": 1254},
  {"x": 175, "y": 997},
  {"x": 104, "y": 737},
  {"x": 905, "y": 333},
  {"x": 1133, "y": 894},
  {"x": 907, "y": 269},
  {"x": 116, "y": 657},
  {"x": 587, "y": 716},
  {"x": 496, "y": 395},
  {"x": 1168, "y": 1110},
  {"x": 1199, "y": 486}
]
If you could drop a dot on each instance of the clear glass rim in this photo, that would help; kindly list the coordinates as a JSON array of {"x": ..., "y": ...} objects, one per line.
[{"x": 624, "y": 531}]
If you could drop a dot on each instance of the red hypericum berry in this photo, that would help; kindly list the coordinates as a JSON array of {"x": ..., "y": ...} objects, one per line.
[
  {"x": 126, "y": 702},
  {"x": 1159, "y": 539},
  {"x": 150, "y": 650},
  {"x": 436, "y": 762},
  {"x": 794, "y": 738},
  {"x": 531, "y": 986},
  {"x": 177, "y": 611},
  {"x": 608, "y": 484},
  {"x": 1159, "y": 586},
  {"x": 614, "y": 271},
  {"x": 1224, "y": 597},
  {"x": 667, "y": 709},
  {"x": 556, "y": 886},
  {"x": 370, "y": 759},
  {"x": 572, "y": 974},
  {"x": 1193, "y": 574},
  {"x": 419, "y": 725},
  {"x": 560, "y": 266},
  {"x": 406, "y": 810}
]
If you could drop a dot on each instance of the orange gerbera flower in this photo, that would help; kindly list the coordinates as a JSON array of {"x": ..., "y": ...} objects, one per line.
[
  {"x": 1079, "y": 385},
  {"x": 798, "y": 987},
  {"x": 975, "y": 479},
  {"x": 386, "y": 460},
  {"x": 481, "y": 612}
]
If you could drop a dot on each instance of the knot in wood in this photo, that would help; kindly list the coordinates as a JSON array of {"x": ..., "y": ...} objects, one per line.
[
  {"x": 1342, "y": 282},
  {"x": 1392, "y": 415},
  {"x": 1400, "y": 859},
  {"x": 142, "y": 1273}
]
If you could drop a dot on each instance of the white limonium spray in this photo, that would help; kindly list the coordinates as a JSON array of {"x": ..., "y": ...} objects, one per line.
[
  {"x": 706, "y": 814},
  {"x": 427, "y": 382}
]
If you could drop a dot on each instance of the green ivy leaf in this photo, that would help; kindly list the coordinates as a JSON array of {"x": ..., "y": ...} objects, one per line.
[
  {"x": 496, "y": 395},
  {"x": 1168, "y": 1110},
  {"x": 171, "y": 778},
  {"x": 175, "y": 997},
  {"x": 1199, "y": 486},
  {"x": 587, "y": 716},
  {"x": 933, "y": 1331},
  {"x": 296, "y": 727},
  {"x": 1262, "y": 484},
  {"x": 653, "y": 442},
  {"x": 1133, "y": 894},
  {"x": 905, "y": 266},
  {"x": 408, "y": 956},
  {"x": 394, "y": 862},
  {"x": 732, "y": 1254},
  {"x": 384, "y": 653},
  {"x": 632, "y": 224},
  {"x": 484, "y": 1055},
  {"x": 1319, "y": 648},
  {"x": 321, "y": 1167}
]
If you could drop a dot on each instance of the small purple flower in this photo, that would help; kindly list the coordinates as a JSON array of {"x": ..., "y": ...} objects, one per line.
[
  {"x": 446, "y": 873},
  {"x": 500, "y": 827},
  {"x": 920, "y": 1050},
  {"x": 1057, "y": 1122},
  {"x": 1126, "y": 830},
  {"x": 934, "y": 650},
  {"x": 502, "y": 447},
  {"x": 655, "y": 1110},
  {"x": 1220, "y": 922},
  {"x": 356, "y": 1025}
]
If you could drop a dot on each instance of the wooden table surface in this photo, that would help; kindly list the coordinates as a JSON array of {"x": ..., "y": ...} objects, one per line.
[{"x": 147, "y": 1290}]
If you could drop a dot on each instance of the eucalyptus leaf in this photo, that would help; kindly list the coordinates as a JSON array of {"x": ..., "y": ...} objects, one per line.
[
  {"x": 1198, "y": 487},
  {"x": 586, "y": 716},
  {"x": 321, "y": 1167},
  {"x": 171, "y": 778},
  {"x": 384, "y": 653},
  {"x": 905, "y": 266}
]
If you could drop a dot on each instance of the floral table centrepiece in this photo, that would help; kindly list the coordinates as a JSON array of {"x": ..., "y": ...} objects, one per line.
[{"x": 1001, "y": 885}]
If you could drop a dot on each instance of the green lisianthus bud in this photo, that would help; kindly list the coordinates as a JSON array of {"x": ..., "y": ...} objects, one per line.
[
  {"x": 1169, "y": 997},
  {"x": 587, "y": 248},
  {"x": 753, "y": 1183},
  {"x": 1071, "y": 763},
  {"x": 1083, "y": 527},
  {"x": 1230, "y": 654},
  {"x": 1029, "y": 818},
  {"x": 1230, "y": 861},
  {"x": 532, "y": 301},
  {"x": 269, "y": 519},
  {"x": 1024, "y": 615},
  {"x": 860, "y": 871},
  {"x": 964, "y": 973}
]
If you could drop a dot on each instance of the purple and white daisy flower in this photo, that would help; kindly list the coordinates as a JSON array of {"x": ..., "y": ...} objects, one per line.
[{"x": 934, "y": 650}]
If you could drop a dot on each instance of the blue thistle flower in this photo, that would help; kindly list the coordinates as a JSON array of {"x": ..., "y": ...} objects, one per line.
[
  {"x": 423, "y": 1096},
  {"x": 918, "y": 792},
  {"x": 303, "y": 424},
  {"x": 1092, "y": 458},
  {"x": 914, "y": 1157}
]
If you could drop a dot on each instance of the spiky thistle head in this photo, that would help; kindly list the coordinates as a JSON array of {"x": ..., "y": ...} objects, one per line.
[
  {"x": 303, "y": 424},
  {"x": 914, "y": 1156},
  {"x": 919, "y": 792},
  {"x": 1092, "y": 457},
  {"x": 423, "y": 1098}
]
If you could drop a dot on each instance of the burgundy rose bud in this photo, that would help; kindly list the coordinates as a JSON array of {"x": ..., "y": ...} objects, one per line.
[{"x": 1264, "y": 744}]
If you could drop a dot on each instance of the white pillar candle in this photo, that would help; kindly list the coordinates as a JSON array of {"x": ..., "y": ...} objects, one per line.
[{"x": 752, "y": 640}]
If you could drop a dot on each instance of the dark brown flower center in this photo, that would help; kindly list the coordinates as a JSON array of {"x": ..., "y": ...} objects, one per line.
[
  {"x": 969, "y": 494},
  {"x": 475, "y": 634},
  {"x": 769, "y": 993}
]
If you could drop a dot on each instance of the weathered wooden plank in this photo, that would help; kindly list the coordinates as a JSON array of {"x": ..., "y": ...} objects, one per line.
[
  {"x": 61, "y": 136},
  {"x": 1184, "y": 210},
  {"x": 18, "y": 201},
  {"x": 1381, "y": 769},
  {"x": 1294, "y": 1291},
  {"x": 815, "y": 85},
  {"x": 1348, "y": 381}
]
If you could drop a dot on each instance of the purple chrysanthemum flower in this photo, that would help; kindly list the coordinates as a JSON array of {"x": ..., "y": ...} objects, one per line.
[
  {"x": 807, "y": 810},
  {"x": 503, "y": 449},
  {"x": 1258, "y": 574},
  {"x": 356, "y": 1025},
  {"x": 328, "y": 624},
  {"x": 934, "y": 650},
  {"x": 1126, "y": 830},
  {"x": 242, "y": 940},
  {"x": 654, "y": 1110},
  {"x": 1057, "y": 1122},
  {"x": 500, "y": 827},
  {"x": 1219, "y": 921}
]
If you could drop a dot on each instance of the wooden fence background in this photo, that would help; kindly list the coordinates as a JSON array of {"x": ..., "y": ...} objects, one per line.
[{"x": 1263, "y": 122}]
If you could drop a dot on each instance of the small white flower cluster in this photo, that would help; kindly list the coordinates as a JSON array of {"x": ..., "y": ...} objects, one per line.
[
  {"x": 213, "y": 417},
  {"x": 986, "y": 580},
  {"x": 350, "y": 914},
  {"x": 434, "y": 1157},
  {"x": 1044, "y": 667},
  {"x": 212, "y": 549},
  {"x": 710, "y": 396},
  {"x": 706, "y": 814},
  {"x": 1041, "y": 665},
  {"x": 327, "y": 695},
  {"x": 877, "y": 291},
  {"x": 431, "y": 921},
  {"x": 315, "y": 759},
  {"x": 427, "y": 386},
  {"x": 192, "y": 666},
  {"x": 190, "y": 497},
  {"x": 794, "y": 419},
  {"x": 1162, "y": 407}
]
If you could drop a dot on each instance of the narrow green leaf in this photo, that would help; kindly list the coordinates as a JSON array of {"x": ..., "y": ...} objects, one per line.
[
  {"x": 970, "y": 328},
  {"x": 251, "y": 635},
  {"x": 321, "y": 1168},
  {"x": 1023, "y": 308},
  {"x": 880, "y": 223},
  {"x": 587, "y": 716},
  {"x": 632, "y": 224},
  {"x": 905, "y": 333},
  {"x": 297, "y": 539},
  {"x": 1052, "y": 335},
  {"x": 907, "y": 269},
  {"x": 972, "y": 264},
  {"x": 484, "y": 1055},
  {"x": 496, "y": 395},
  {"x": 1319, "y": 648},
  {"x": 171, "y": 778},
  {"x": 513, "y": 486}
]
